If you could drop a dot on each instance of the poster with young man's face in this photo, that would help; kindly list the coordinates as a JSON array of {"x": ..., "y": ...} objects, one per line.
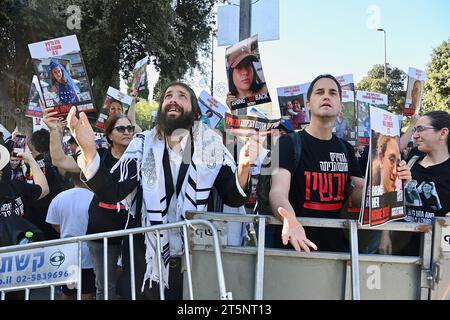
[
  {"x": 139, "y": 81},
  {"x": 246, "y": 81},
  {"x": 386, "y": 189},
  {"x": 292, "y": 101},
  {"x": 365, "y": 100},
  {"x": 414, "y": 92},
  {"x": 345, "y": 124},
  {"x": 115, "y": 102},
  {"x": 34, "y": 109},
  {"x": 62, "y": 75}
]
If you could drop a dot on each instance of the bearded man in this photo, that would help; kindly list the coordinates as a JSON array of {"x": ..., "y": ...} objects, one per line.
[{"x": 164, "y": 173}]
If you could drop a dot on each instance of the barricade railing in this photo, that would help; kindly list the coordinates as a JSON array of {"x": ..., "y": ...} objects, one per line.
[
  {"x": 16, "y": 256},
  {"x": 353, "y": 258}
]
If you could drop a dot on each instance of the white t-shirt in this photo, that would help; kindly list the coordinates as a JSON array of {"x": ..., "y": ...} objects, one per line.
[{"x": 69, "y": 210}]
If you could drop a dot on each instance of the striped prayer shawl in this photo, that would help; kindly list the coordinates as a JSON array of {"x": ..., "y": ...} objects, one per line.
[{"x": 147, "y": 150}]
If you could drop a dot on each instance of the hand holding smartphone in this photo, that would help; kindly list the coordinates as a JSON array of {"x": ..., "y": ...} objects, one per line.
[{"x": 19, "y": 145}]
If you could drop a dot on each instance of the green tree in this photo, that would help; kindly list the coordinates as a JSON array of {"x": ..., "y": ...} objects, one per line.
[
  {"x": 375, "y": 82},
  {"x": 437, "y": 85},
  {"x": 114, "y": 35},
  {"x": 144, "y": 111}
]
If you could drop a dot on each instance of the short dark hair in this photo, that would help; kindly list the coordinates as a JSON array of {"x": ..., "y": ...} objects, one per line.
[
  {"x": 111, "y": 123},
  {"x": 440, "y": 120},
  {"x": 323, "y": 76},
  {"x": 41, "y": 141}
]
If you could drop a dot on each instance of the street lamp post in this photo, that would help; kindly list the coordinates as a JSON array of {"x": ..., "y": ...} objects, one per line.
[{"x": 385, "y": 54}]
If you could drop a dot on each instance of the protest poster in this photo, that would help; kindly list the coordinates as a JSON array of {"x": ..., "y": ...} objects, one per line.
[
  {"x": 38, "y": 124},
  {"x": 114, "y": 102},
  {"x": 292, "y": 101},
  {"x": 364, "y": 100},
  {"x": 139, "y": 81},
  {"x": 213, "y": 112},
  {"x": 246, "y": 126},
  {"x": 33, "y": 107},
  {"x": 414, "y": 91},
  {"x": 345, "y": 124},
  {"x": 62, "y": 75},
  {"x": 6, "y": 134},
  {"x": 346, "y": 81},
  {"x": 246, "y": 81},
  {"x": 385, "y": 189}
]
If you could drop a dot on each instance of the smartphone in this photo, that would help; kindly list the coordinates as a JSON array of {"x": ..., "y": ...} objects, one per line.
[{"x": 19, "y": 144}]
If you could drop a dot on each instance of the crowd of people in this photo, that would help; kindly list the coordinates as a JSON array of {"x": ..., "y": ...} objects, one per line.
[{"x": 154, "y": 177}]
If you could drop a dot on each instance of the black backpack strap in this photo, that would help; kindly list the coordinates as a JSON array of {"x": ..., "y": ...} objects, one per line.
[
  {"x": 344, "y": 146},
  {"x": 297, "y": 143}
]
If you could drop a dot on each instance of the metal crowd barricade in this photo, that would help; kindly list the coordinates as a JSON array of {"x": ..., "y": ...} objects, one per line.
[
  {"x": 266, "y": 273},
  {"x": 16, "y": 256}
]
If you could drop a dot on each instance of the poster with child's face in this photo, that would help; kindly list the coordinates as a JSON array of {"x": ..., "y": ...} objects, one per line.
[
  {"x": 246, "y": 81},
  {"x": 212, "y": 110},
  {"x": 292, "y": 101},
  {"x": 414, "y": 92},
  {"x": 34, "y": 108},
  {"x": 62, "y": 75},
  {"x": 115, "y": 103}
]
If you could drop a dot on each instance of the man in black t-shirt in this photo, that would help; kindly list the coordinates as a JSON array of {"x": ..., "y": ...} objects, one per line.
[{"x": 318, "y": 185}]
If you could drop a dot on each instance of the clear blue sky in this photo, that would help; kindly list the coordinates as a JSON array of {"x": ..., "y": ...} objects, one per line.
[{"x": 333, "y": 36}]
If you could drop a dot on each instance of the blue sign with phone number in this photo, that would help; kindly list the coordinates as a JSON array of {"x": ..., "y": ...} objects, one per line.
[{"x": 39, "y": 266}]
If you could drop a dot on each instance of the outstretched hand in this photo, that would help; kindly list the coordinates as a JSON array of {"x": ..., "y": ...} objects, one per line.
[
  {"x": 83, "y": 133},
  {"x": 294, "y": 233}
]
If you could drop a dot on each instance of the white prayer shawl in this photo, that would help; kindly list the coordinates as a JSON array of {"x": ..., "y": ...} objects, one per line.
[{"x": 147, "y": 150}]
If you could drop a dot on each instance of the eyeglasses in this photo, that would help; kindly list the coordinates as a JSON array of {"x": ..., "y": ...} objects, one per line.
[
  {"x": 121, "y": 129},
  {"x": 420, "y": 129}
]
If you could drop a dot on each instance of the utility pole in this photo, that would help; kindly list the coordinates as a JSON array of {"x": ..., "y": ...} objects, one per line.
[
  {"x": 245, "y": 29},
  {"x": 212, "y": 63},
  {"x": 245, "y": 19},
  {"x": 385, "y": 53}
]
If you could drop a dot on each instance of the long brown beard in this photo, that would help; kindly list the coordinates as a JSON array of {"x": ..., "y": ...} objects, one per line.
[{"x": 168, "y": 125}]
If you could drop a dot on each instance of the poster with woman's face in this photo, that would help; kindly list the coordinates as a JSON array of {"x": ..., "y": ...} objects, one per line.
[
  {"x": 414, "y": 92},
  {"x": 62, "y": 75},
  {"x": 292, "y": 101},
  {"x": 115, "y": 102},
  {"x": 246, "y": 81}
]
